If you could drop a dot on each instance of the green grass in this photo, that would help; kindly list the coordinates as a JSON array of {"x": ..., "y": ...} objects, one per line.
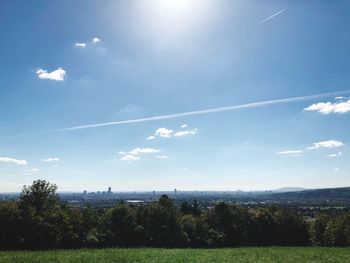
[{"x": 147, "y": 255}]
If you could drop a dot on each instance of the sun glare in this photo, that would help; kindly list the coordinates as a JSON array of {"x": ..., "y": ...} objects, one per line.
[
  {"x": 175, "y": 6},
  {"x": 172, "y": 20}
]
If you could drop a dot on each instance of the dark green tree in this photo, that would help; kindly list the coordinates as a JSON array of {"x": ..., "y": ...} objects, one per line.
[
  {"x": 42, "y": 215},
  {"x": 10, "y": 226},
  {"x": 161, "y": 223},
  {"x": 122, "y": 228}
]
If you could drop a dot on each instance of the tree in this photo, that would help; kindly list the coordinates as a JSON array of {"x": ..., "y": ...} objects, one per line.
[
  {"x": 262, "y": 228},
  {"x": 187, "y": 208},
  {"x": 230, "y": 220},
  {"x": 290, "y": 229},
  {"x": 43, "y": 216},
  {"x": 121, "y": 226},
  {"x": 161, "y": 223},
  {"x": 10, "y": 226},
  {"x": 40, "y": 196},
  {"x": 318, "y": 228},
  {"x": 337, "y": 232}
]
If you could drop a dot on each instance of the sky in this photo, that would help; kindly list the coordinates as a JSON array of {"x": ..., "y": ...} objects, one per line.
[{"x": 162, "y": 94}]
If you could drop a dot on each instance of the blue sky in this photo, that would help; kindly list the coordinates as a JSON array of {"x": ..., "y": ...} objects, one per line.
[{"x": 66, "y": 64}]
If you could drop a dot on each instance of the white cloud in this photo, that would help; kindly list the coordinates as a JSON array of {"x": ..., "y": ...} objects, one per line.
[
  {"x": 96, "y": 40},
  {"x": 31, "y": 171},
  {"x": 12, "y": 160},
  {"x": 336, "y": 169},
  {"x": 290, "y": 152},
  {"x": 129, "y": 158},
  {"x": 329, "y": 107},
  {"x": 326, "y": 144},
  {"x": 132, "y": 155},
  {"x": 167, "y": 133},
  {"x": 164, "y": 132},
  {"x": 57, "y": 74},
  {"x": 184, "y": 133},
  {"x": 143, "y": 150},
  {"x": 339, "y": 98},
  {"x": 162, "y": 157},
  {"x": 334, "y": 155},
  {"x": 184, "y": 126},
  {"x": 81, "y": 45},
  {"x": 52, "y": 159}
]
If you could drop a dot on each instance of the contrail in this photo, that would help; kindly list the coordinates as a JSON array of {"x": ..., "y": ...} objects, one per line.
[
  {"x": 207, "y": 111},
  {"x": 270, "y": 17}
]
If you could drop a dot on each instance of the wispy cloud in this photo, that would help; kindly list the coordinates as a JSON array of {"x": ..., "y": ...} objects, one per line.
[
  {"x": 339, "y": 98},
  {"x": 270, "y": 17},
  {"x": 295, "y": 153},
  {"x": 334, "y": 155},
  {"x": 130, "y": 158},
  {"x": 12, "y": 160},
  {"x": 57, "y": 75},
  {"x": 329, "y": 107},
  {"x": 31, "y": 171},
  {"x": 162, "y": 157},
  {"x": 168, "y": 133},
  {"x": 143, "y": 150},
  {"x": 80, "y": 44},
  {"x": 185, "y": 133},
  {"x": 53, "y": 159},
  {"x": 95, "y": 41},
  {"x": 290, "y": 152},
  {"x": 326, "y": 144},
  {"x": 208, "y": 111},
  {"x": 134, "y": 154},
  {"x": 164, "y": 132}
]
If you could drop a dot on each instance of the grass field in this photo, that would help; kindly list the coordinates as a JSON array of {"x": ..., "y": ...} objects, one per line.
[{"x": 145, "y": 255}]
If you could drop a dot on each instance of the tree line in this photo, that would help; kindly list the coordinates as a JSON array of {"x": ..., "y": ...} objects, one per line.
[{"x": 40, "y": 220}]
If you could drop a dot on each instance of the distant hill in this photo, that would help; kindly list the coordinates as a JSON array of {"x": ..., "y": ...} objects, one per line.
[
  {"x": 288, "y": 189},
  {"x": 341, "y": 193}
]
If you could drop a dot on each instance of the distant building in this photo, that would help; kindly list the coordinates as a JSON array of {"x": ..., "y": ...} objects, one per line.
[
  {"x": 175, "y": 191},
  {"x": 109, "y": 190},
  {"x": 85, "y": 192}
]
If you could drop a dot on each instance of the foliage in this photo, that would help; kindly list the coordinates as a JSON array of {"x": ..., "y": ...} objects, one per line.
[{"x": 39, "y": 220}]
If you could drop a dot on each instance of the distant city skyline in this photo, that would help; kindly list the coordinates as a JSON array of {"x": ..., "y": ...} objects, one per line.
[{"x": 174, "y": 95}]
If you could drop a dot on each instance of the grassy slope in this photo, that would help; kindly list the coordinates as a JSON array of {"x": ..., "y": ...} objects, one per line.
[{"x": 269, "y": 254}]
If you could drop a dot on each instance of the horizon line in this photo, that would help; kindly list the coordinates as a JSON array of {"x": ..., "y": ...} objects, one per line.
[{"x": 179, "y": 190}]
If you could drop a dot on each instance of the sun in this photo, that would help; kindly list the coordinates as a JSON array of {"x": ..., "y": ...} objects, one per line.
[
  {"x": 175, "y": 6},
  {"x": 168, "y": 24}
]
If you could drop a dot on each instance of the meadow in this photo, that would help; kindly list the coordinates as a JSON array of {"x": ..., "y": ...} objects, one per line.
[{"x": 148, "y": 255}]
